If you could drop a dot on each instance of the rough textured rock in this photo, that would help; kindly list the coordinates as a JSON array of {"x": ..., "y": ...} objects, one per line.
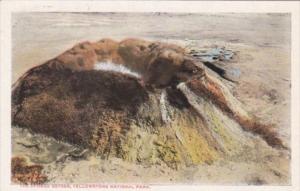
[
  {"x": 175, "y": 113},
  {"x": 218, "y": 60},
  {"x": 26, "y": 174}
]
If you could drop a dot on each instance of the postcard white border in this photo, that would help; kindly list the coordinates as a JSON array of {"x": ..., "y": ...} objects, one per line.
[{"x": 8, "y": 7}]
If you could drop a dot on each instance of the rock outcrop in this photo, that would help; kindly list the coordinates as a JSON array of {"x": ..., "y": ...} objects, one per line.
[{"x": 172, "y": 111}]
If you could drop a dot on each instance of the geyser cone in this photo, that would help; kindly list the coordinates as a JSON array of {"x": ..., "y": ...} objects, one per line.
[{"x": 170, "y": 111}]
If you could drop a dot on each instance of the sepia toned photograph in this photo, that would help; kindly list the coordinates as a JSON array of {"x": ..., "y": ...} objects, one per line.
[{"x": 150, "y": 98}]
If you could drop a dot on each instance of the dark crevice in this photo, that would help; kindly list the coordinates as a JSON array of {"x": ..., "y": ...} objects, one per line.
[
  {"x": 220, "y": 71},
  {"x": 177, "y": 98},
  {"x": 215, "y": 68}
]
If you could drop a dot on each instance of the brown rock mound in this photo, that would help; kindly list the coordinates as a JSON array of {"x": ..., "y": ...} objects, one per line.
[{"x": 174, "y": 112}]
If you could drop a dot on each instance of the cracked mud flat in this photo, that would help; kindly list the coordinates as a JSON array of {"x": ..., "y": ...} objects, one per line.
[{"x": 263, "y": 88}]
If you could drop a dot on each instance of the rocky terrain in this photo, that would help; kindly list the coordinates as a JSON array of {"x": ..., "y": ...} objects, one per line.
[
  {"x": 131, "y": 109},
  {"x": 172, "y": 112}
]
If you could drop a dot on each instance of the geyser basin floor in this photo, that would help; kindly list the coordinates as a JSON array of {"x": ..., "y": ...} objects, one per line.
[{"x": 253, "y": 167}]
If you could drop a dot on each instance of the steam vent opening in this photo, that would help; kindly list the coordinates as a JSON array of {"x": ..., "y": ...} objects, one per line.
[{"x": 141, "y": 101}]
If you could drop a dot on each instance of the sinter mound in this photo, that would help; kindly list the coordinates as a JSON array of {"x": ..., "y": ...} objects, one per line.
[{"x": 170, "y": 111}]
